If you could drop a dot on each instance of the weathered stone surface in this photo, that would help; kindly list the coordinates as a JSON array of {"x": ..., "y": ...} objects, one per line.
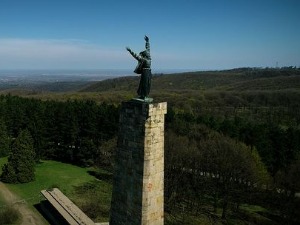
[
  {"x": 139, "y": 174},
  {"x": 69, "y": 211}
]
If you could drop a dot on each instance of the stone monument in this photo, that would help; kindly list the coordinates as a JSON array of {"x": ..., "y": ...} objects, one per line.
[{"x": 138, "y": 186}]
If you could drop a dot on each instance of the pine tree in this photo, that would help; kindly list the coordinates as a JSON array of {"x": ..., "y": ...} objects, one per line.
[
  {"x": 21, "y": 160},
  {"x": 4, "y": 139}
]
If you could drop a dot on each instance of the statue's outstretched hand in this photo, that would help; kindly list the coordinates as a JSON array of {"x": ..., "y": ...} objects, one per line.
[
  {"x": 128, "y": 49},
  {"x": 146, "y": 38}
]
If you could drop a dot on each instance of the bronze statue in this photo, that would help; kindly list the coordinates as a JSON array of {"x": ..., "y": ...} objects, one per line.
[{"x": 143, "y": 68}]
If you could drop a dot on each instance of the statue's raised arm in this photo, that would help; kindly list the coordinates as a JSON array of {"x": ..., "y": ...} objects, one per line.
[
  {"x": 147, "y": 45},
  {"x": 134, "y": 55}
]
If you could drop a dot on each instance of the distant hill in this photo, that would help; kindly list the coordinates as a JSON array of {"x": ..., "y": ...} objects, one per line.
[
  {"x": 190, "y": 91},
  {"x": 232, "y": 80},
  {"x": 49, "y": 81}
]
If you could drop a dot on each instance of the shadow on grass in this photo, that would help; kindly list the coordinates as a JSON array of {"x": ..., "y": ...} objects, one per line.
[
  {"x": 102, "y": 175},
  {"x": 39, "y": 162}
]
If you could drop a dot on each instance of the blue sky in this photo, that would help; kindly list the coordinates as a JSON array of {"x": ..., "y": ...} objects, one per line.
[{"x": 184, "y": 34}]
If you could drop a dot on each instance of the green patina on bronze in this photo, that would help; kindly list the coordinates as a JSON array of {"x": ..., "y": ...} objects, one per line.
[{"x": 144, "y": 68}]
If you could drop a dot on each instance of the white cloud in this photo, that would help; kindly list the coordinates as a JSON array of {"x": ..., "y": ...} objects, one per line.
[{"x": 56, "y": 54}]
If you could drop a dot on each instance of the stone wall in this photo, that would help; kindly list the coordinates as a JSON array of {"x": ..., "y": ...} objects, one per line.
[{"x": 139, "y": 174}]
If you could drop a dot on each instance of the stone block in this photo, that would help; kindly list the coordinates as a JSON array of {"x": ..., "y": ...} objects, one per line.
[{"x": 138, "y": 180}]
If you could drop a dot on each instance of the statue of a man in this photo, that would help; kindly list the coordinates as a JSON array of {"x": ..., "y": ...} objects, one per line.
[{"x": 143, "y": 68}]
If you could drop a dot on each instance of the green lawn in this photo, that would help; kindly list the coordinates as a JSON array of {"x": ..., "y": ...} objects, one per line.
[
  {"x": 53, "y": 174},
  {"x": 2, "y": 162}
]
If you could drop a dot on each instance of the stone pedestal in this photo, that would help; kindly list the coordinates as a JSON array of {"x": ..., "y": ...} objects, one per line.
[{"x": 138, "y": 188}]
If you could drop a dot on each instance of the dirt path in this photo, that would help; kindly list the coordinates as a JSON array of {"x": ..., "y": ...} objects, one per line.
[{"x": 29, "y": 217}]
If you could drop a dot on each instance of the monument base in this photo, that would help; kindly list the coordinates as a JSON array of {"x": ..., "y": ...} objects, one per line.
[
  {"x": 146, "y": 99},
  {"x": 138, "y": 187}
]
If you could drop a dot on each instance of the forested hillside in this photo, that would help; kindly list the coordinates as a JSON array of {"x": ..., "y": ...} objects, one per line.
[
  {"x": 69, "y": 131},
  {"x": 250, "y": 78},
  {"x": 260, "y": 94},
  {"x": 232, "y": 143}
]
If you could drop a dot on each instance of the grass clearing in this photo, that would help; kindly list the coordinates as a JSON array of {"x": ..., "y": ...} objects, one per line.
[
  {"x": 94, "y": 198},
  {"x": 2, "y": 162},
  {"x": 49, "y": 174},
  {"x": 68, "y": 178},
  {"x": 252, "y": 208}
]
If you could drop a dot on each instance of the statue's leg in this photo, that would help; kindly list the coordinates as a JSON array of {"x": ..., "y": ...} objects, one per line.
[
  {"x": 141, "y": 90},
  {"x": 149, "y": 79}
]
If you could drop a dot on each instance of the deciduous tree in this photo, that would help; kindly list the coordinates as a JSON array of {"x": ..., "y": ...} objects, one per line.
[{"x": 232, "y": 166}]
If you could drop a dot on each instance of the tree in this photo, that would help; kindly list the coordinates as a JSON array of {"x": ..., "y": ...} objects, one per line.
[
  {"x": 85, "y": 153},
  {"x": 288, "y": 181},
  {"x": 106, "y": 153},
  {"x": 233, "y": 168},
  {"x": 4, "y": 139},
  {"x": 21, "y": 160}
]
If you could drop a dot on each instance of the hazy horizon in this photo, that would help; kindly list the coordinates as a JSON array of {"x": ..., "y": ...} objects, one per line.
[{"x": 85, "y": 72}]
